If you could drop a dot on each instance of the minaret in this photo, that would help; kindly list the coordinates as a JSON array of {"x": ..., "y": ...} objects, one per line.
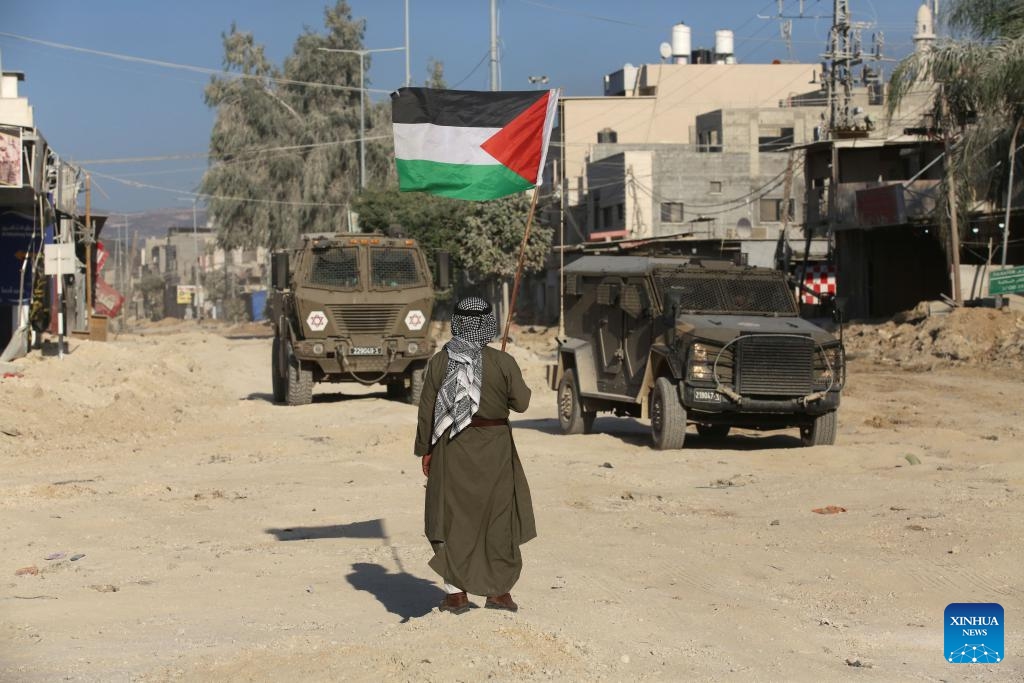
[{"x": 924, "y": 30}]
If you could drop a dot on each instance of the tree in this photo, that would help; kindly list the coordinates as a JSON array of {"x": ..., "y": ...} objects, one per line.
[
  {"x": 285, "y": 145},
  {"x": 435, "y": 71},
  {"x": 977, "y": 81},
  {"x": 244, "y": 182},
  {"x": 489, "y": 244}
]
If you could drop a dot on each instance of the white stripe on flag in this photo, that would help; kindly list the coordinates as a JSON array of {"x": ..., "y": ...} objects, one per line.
[{"x": 445, "y": 144}]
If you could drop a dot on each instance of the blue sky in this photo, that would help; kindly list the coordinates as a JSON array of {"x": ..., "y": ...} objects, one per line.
[{"x": 92, "y": 108}]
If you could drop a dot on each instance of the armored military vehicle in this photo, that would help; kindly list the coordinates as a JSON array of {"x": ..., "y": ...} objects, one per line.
[
  {"x": 350, "y": 307},
  {"x": 683, "y": 341}
]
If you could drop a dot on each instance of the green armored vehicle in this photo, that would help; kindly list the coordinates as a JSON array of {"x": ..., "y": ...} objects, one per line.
[
  {"x": 683, "y": 342},
  {"x": 350, "y": 307}
]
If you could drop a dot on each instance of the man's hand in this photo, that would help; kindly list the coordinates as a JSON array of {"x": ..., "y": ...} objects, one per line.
[{"x": 426, "y": 465}]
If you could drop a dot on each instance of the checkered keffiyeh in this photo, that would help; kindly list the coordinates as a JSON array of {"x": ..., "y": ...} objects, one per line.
[{"x": 473, "y": 327}]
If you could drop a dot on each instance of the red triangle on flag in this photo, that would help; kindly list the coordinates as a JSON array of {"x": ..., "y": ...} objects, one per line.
[{"x": 520, "y": 143}]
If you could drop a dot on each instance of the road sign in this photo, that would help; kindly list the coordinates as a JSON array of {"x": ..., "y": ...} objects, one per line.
[
  {"x": 59, "y": 258},
  {"x": 1006, "y": 281}
]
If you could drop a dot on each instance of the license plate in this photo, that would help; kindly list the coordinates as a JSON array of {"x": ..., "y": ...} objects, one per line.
[
  {"x": 364, "y": 351},
  {"x": 706, "y": 395}
]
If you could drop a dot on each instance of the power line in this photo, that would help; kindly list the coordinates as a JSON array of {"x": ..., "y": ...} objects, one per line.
[{"x": 186, "y": 67}]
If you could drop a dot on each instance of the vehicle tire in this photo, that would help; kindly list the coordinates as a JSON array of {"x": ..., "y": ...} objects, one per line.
[
  {"x": 298, "y": 380},
  {"x": 415, "y": 386},
  {"x": 821, "y": 432},
  {"x": 668, "y": 416},
  {"x": 276, "y": 374},
  {"x": 713, "y": 431},
  {"x": 571, "y": 416}
]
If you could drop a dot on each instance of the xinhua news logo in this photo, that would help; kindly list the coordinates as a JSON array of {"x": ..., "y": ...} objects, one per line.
[{"x": 974, "y": 633}]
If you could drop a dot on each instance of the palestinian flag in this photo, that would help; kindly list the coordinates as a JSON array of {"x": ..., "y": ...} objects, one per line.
[{"x": 468, "y": 144}]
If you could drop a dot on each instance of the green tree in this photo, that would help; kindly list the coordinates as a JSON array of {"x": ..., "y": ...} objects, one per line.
[
  {"x": 489, "y": 244},
  {"x": 435, "y": 77},
  {"x": 285, "y": 145},
  {"x": 976, "y": 81},
  {"x": 245, "y": 182}
]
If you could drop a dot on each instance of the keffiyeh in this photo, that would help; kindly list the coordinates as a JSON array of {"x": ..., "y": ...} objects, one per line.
[{"x": 473, "y": 327}]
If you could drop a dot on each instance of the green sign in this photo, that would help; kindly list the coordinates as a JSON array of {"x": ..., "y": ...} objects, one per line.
[{"x": 1006, "y": 281}]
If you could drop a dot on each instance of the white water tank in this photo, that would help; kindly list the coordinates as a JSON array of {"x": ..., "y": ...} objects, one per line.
[
  {"x": 724, "y": 49},
  {"x": 681, "y": 43}
]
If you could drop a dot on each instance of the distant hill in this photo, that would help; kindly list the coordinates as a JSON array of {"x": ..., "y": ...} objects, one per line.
[{"x": 152, "y": 223}]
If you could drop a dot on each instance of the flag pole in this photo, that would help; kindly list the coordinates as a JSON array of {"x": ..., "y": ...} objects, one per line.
[{"x": 519, "y": 267}]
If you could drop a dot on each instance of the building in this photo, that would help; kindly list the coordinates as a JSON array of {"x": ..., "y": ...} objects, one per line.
[{"x": 38, "y": 205}]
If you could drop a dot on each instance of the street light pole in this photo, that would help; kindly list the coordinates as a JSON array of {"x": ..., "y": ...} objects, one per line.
[
  {"x": 195, "y": 266},
  {"x": 362, "y": 99}
]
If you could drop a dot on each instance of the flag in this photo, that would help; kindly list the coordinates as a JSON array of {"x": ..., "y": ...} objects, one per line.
[{"x": 471, "y": 145}]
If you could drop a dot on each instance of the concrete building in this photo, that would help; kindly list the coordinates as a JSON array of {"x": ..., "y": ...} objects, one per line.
[{"x": 38, "y": 204}]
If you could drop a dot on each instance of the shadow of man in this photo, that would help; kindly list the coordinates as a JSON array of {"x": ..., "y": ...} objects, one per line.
[{"x": 403, "y": 594}]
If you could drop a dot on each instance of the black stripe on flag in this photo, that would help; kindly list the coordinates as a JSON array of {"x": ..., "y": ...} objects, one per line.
[{"x": 465, "y": 108}]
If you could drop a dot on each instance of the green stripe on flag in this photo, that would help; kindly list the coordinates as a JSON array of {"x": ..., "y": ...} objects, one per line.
[{"x": 459, "y": 181}]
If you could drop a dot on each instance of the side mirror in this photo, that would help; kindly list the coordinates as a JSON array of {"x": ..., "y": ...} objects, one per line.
[
  {"x": 279, "y": 270},
  {"x": 443, "y": 269},
  {"x": 668, "y": 314}
]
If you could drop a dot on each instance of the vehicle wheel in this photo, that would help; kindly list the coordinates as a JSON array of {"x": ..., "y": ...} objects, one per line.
[
  {"x": 713, "y": 431},
  {"x": 298, "y": 380},
  {"x": 821, "y": 432},
  {"x": 415, "y": 386},
  {"x": 571, "y": 416},
  {"x": 668, "y": 416},
  {"x": 276, "y": 373}
]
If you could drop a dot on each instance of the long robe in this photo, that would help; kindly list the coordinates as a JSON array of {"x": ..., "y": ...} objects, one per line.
[{"x": 478, "y": 509}]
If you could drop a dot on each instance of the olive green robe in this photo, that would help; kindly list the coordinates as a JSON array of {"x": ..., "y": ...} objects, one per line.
[{"x": 478, "y": 509}]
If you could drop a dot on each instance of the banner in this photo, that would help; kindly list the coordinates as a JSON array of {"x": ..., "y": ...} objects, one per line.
[{"x": 10, "y": 158}]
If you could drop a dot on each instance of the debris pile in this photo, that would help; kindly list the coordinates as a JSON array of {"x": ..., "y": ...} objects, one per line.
[{"x": 915, "y": 340}]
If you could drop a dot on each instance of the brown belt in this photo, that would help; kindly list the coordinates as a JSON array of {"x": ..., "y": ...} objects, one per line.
[{"x": 487, "y": 422}]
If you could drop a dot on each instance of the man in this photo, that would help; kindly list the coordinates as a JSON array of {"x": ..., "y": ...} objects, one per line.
[{"x": 478, "y": 509}]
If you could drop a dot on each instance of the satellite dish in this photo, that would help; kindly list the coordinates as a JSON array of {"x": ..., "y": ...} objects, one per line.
[
  {"x": 665, "y": 50},
  {"x": 743, "y": 228}
]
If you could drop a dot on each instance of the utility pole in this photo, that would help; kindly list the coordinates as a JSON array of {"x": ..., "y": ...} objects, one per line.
[
  {"x": 88, "y": 250},
  {"x": 954, "y": 228},
  {"x": 362, "y": 100},
  {"x": 408, "y": 76},
  {"x": 495, "y": 84}
]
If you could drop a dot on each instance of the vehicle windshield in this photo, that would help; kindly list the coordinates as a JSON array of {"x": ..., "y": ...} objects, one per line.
[
  {"x": 335, "y": 267},
  {"x": 732, "y": 294},
  {"x": 394, "y": 268}
]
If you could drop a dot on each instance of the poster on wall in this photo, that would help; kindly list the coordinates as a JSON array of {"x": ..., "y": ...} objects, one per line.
[{"x": 10, "y": 158}]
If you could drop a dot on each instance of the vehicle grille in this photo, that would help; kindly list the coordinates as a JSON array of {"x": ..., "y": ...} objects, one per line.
[
  {"x": 361, "y": 318},
  {"x": 774, "y": 365}
]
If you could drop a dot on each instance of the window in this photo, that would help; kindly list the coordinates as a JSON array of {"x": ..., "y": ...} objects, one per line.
[
  {"x": 771, "y": 210},
  {"x": 671, "y": 212},
  {"x": 774, "y": 139},
  {"x": 335, "y": 267},
  {"x": 716, "y": 187},
  {"x": 621, "y": 213},
  {"x": 394, "y": 268}
]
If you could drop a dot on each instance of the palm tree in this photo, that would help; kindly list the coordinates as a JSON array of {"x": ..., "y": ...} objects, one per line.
[{"x": 978, "y": 80}]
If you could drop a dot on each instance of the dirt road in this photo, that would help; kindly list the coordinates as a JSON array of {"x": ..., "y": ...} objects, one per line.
[{"x": 220, "y": 537}]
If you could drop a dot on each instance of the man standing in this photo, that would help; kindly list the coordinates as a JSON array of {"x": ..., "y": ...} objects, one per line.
[{"x": 478, "y": 509}]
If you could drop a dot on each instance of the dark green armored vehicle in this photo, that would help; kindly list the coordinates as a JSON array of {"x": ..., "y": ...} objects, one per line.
[
  {"x": 350, "y": 307},
  {"x": 681, "y": 342}
]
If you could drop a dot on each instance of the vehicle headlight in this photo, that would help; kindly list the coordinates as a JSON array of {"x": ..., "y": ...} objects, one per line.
[
  {"x": 413, "y": 347},
  {"x": 829, "y": 364},
  {"x": 700, "y": 353},
  {"x": 702, "y": 371}
]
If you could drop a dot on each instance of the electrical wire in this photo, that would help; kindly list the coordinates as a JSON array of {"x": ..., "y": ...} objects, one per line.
[{"x": 188, "y": 67}]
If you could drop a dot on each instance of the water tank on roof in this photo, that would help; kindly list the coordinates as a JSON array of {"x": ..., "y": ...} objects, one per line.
[
  {"x": 724, "y": 47},
  {"x": 700, "y": 56},
  {"x": 607, "y": 135},
  {"x": 681, "y": 43}
]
